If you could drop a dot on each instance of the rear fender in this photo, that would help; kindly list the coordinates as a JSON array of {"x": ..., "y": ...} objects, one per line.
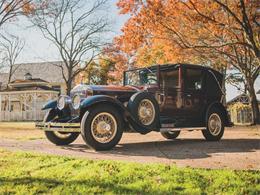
[
  {"x": 223, "y": 110},
  {"x": 91, "y": 101}
]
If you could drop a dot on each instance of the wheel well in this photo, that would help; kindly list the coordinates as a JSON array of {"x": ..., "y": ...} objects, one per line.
[
  {"x": 222, "y": 109},
  {"x": 121, "y": 110}
]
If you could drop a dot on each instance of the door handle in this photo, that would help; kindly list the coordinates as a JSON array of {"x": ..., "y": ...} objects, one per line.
[
  {"x": 188, "y": 95},
  {"x": 160, "y": 98}
]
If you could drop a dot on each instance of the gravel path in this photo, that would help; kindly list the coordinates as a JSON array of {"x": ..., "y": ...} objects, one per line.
[{"x": 239, "y": 149}]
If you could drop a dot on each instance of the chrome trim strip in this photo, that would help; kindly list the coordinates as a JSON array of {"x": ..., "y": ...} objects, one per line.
[{"x": 61, "y": 127}]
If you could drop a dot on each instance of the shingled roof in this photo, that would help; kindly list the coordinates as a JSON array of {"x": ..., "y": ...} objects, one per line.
[{"x": 48, "y": 71}]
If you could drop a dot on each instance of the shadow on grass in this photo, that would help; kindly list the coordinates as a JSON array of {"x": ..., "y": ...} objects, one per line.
[
  {"x": 48, "y": 185},
  {"x": 178, "y": 149}
]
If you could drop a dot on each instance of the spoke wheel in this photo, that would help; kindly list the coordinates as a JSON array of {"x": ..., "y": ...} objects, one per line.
[
  {"x": 215, "y": 126},
  {"x": 55, "y": 137},
  {"x": 104, "y": 127},
  {"x": 146, "y": 112}
]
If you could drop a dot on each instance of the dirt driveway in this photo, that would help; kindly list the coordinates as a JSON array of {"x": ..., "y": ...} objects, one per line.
[{"x": 239, "y": 149}]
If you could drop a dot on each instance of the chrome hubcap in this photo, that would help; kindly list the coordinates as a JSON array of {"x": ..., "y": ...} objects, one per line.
[
  {"x": 104, "y": 127},
  {"x": 214, "y": 124},
  {"x": 146, "y": 112}
]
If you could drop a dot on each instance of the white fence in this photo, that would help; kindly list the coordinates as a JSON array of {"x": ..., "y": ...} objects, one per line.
[
  {"x": 22, "y": 116},
  {"x": 24, "y": 105}
]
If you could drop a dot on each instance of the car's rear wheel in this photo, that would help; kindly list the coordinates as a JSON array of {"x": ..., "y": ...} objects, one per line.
[
  {"x": 170, "y": 134},
  {"x": 58, "y": 138},
  {"x": 215, "y": 125},
  {"x": 102, "y": 127}
]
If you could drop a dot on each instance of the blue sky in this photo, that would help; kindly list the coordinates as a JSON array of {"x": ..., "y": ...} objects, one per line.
[{"x": 37, "y": 49}]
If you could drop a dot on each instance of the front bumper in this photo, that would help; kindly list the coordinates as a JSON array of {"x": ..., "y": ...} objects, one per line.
[{"x": 61, "y": 127}]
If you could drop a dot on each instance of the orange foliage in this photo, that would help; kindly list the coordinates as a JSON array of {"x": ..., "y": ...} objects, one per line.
[{"x": 192, "y": 31}]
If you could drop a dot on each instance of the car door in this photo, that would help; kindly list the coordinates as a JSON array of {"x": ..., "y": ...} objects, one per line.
[
  {"x": 194, "y": 96},
  {"x": 171, "y": 104}
]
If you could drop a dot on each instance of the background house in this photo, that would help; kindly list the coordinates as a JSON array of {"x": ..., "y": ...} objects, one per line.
[
  {"x": 3, "y": 80},
  {"x": 31, "y": 86},
  {"x": 23, "y": 100},
  {"x": 240, "y": 110},
  {"x": 48, "y": 71}
]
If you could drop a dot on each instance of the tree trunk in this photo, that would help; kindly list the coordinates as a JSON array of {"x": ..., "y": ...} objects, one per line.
[
  {"x": 68, "y": 85},
  {"x": 253, "y": 101},
  {"x": 69, "y": 81},
  {"x": 10, "y": 76},
  {"x": 224, "y": 100}
]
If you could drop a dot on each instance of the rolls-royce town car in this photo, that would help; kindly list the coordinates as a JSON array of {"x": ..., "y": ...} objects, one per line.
[{"x": 163, "y": 98}]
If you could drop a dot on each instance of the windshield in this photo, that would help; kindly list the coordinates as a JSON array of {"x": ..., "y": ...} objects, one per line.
[{"x": 140, "y": 77}]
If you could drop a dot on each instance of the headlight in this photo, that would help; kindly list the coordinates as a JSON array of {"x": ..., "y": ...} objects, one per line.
[
  {"x": 76, "y": 101},
  {"x": 63, "y": 101}
]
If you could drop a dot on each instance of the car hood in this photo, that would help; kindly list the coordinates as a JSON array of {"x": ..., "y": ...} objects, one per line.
[{"x": 111, "y": 90}]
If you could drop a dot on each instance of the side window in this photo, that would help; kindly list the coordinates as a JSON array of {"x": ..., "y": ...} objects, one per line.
[
  {"x": 193, "y": 79},
  {"x": 169, "y": 78}
]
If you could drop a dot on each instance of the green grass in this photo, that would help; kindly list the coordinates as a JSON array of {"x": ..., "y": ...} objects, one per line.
[{"x": 27, "y": 173}]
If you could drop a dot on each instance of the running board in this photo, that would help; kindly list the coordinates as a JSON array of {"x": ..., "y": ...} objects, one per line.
[{"x": 162, "y": 130}]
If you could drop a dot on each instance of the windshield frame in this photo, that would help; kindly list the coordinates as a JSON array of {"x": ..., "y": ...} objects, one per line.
[{"x": 152, "y": 69}]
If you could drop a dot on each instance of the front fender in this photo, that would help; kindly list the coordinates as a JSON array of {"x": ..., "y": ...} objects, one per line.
[
  {"x": 128, "y": 118},
  {"x": 92, "y": 100},
  {"x": 50, "y": 104}
]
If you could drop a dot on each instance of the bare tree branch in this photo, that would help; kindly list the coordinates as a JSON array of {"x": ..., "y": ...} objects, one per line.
[
  {"x": 12, "y": 8},
  {"x": 11, "y": 47},
  {"x": 76, "y": 29}
]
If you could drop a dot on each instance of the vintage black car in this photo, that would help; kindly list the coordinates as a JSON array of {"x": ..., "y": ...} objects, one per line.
[{"x": 164, "y": 98}]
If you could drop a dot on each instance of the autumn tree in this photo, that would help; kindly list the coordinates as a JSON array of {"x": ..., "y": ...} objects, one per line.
[
  {"x": 222, "y": 34},
  {"x": 98, "y": 72},
  {"x": 9, "y": 9},
  {"x": 122, "y": 61},
  {"x": 76, "y": 28}
]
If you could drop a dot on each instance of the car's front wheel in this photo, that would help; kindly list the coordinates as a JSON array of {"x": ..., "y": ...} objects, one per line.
[
  {"x": 215, "y": 125},
  {"x": 102, "y": 127},
  {"x": 58, "y": 138}
]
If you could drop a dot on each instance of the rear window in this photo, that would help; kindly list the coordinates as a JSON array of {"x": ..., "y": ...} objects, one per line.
[{"x": 193, "y": 79}]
